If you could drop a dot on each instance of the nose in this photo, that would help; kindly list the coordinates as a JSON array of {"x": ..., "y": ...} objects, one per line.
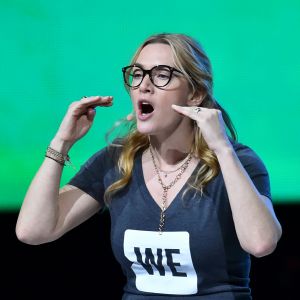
[{"x": 146, "y": 84}]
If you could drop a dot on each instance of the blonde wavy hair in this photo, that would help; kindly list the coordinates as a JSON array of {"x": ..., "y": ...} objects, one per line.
[{"x": 191, "y": 60}]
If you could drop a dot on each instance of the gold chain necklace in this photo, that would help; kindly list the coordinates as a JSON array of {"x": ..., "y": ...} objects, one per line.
[
  {"x": 165, "y": 173},
  {"x": 167, "y": 187}
]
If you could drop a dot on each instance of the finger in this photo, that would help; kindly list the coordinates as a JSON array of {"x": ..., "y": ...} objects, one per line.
[
  {"x": 91, "y": 114},
  {"x": 188, "y": 111},
  {"x": 95, "y": 100},
  {"x": 130, "y": 117},
  {"x": 101, "y": 104},
  {"x": 78, "y": 108}
]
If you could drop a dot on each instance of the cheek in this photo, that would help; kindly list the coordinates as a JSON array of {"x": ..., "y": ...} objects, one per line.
[
  {"x": 180, "y": 95},
  {"x": 179, "y": 98},
  {"x": 132, "y": 95}
]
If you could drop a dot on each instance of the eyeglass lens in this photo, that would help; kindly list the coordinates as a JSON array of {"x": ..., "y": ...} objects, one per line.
[{"x": 160, "y": 76}]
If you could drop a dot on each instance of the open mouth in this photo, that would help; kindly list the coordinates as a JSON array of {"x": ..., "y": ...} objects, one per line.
[{"x": 145, "y": 108}]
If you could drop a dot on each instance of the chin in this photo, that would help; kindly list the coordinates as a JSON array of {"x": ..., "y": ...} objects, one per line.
[
  {"x": 145, "y": 130},
  {"x": 157, "y": 126}
]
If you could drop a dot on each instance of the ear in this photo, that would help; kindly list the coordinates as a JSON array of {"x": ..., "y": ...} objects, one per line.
[{"x": 195, "y": 99}]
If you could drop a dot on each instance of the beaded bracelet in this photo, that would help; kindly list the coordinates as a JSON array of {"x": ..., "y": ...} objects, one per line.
[
  {"x": 63, "y": 164},
  {"x": 58, "y": 157}
]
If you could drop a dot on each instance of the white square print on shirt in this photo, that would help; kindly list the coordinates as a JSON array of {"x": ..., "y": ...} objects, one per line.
[{"x": 162, "y": 263}]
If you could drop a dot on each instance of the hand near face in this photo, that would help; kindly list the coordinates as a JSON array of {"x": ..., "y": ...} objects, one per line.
[
  {"x": 79, "y": 118},
  {"x": 211, "y": 124}
]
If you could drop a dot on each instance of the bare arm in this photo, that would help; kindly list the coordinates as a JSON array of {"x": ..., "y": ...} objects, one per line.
[
  {"x": 48, "y": 212},
  {"x": 255, "y": 222},
  {"x": 256, "y": 225}
]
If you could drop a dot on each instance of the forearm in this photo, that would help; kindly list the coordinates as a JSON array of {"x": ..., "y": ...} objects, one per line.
[
  {"x": 39, "y": 212},
  {"x": 256, "y": 225}
]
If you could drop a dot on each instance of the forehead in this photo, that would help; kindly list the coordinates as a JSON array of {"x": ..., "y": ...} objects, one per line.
[{"x": 155, "y": 54}]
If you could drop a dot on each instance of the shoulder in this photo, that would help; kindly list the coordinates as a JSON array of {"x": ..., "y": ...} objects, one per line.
[
  {"x": 249, "y": 158},
  {"x": 108, "y": 155},
  {"x": 244, "y": 151}
]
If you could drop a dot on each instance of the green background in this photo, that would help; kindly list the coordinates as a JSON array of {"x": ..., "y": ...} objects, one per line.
[{"x": 55, "y": 52}]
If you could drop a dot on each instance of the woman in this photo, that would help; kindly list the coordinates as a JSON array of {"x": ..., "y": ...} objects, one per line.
[{"x": 188, "y": 204}]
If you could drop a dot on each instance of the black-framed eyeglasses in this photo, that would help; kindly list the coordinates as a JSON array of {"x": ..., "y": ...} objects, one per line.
[{"x": 159, "y": 75}]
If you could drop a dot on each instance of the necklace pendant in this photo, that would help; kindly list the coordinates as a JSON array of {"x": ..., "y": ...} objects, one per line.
[{"x": 181, "y": 170}]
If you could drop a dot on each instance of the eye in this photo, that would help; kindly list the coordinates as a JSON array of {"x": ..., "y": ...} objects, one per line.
[
  {"x": 137, "y": 74},
  {"x": 163, "y": 75}
]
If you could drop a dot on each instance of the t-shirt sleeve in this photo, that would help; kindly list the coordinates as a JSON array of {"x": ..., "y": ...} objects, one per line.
[
  {"x": 256, "y": 170},
  {"x": 90, "y": 177}
]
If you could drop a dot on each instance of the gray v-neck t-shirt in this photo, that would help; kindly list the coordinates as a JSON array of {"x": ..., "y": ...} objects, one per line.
[{"x": 198, "y": 256}]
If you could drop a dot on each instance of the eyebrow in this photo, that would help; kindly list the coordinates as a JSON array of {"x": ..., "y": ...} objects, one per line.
[
  {"x": 143, "y": 67},
  {"x": 139, "y": 65}
]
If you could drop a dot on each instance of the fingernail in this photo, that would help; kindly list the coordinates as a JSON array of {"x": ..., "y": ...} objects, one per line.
[{"x": 130, "y": 117}]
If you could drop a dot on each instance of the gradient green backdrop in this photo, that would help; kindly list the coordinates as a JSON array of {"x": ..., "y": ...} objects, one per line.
[{"x": 54, "y": 52}]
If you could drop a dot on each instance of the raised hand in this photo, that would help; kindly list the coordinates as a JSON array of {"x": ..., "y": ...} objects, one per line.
[
  {"x": 211, "y": 124},
  {"x": 79, "y": 118}
]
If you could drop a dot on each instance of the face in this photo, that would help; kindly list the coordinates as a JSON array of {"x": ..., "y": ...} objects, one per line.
[{"x": 152, "y": 104}]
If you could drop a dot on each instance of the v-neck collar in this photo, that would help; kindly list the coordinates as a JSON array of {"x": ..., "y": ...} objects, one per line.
[{"x": 147, "y": 197}]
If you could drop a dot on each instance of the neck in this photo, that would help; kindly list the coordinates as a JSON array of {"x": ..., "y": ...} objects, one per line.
[{"x": 171, "y": 149}]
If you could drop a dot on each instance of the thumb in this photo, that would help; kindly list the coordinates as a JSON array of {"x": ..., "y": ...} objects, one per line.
[{"x": 91, "y": 113}]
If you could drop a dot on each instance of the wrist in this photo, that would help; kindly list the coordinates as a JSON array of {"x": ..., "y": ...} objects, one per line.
[
  {"x": 59, "y": 153},
  {"x": 224, "y": 151},
  {"x": 60, "y": 145}
]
